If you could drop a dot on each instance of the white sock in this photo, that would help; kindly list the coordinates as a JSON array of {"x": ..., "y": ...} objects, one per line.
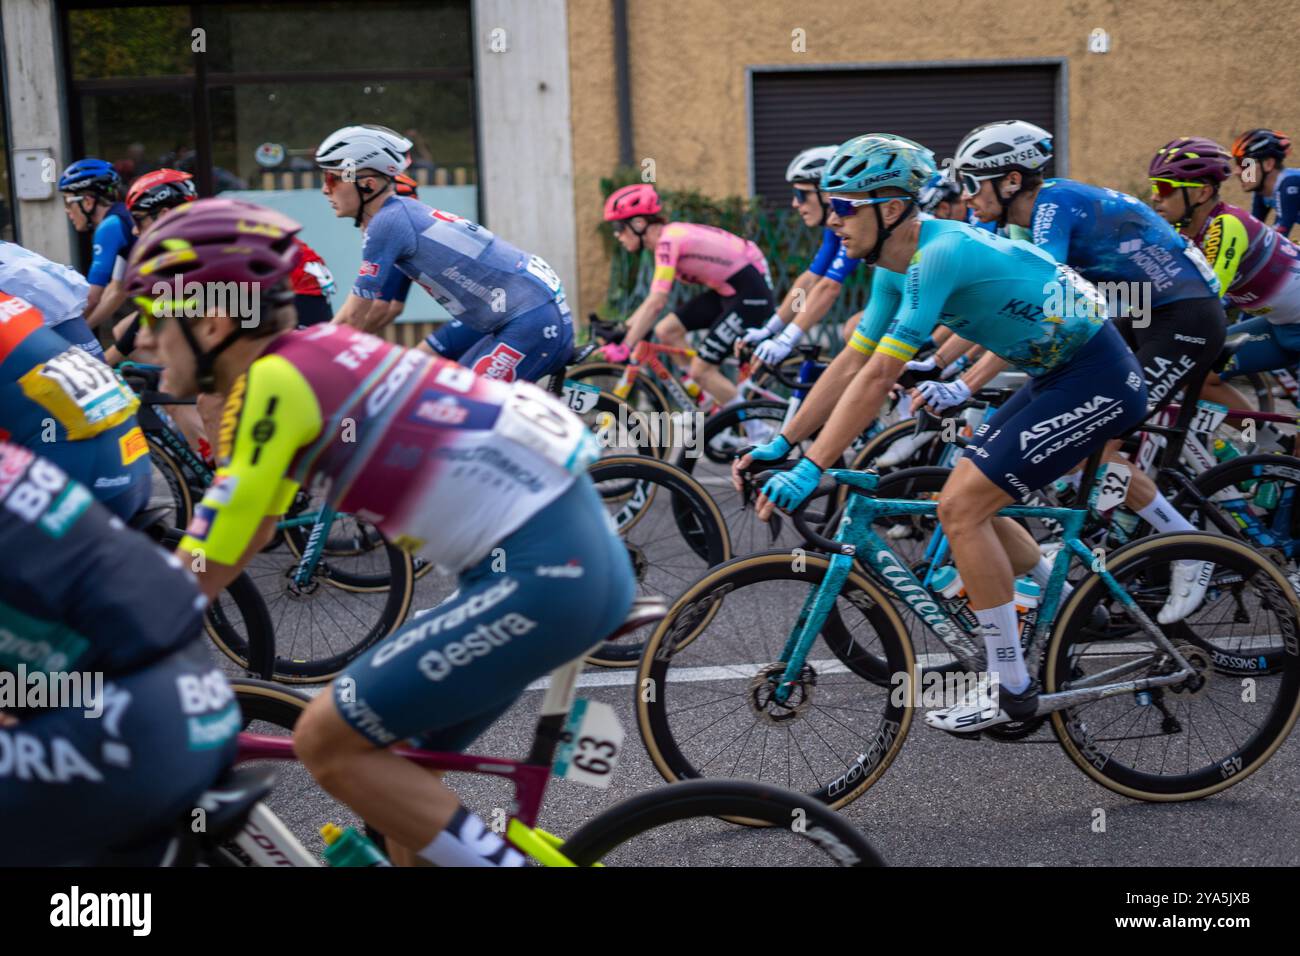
[
  {"x": 1160, "y": 514},
  {"x": 468, "y": 842},
  {"x": 1042, "y": 571},
  {"x": 1002, "y": 646}
]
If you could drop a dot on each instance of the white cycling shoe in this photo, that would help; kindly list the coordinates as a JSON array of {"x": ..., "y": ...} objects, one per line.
[
  {"x": 904, "y": 448},
  {"x": 1187, "y": 586},
  {"x": 981, "y": 709}
]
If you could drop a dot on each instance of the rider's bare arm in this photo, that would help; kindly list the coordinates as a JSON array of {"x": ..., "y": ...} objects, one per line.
[{"x": 643, "y": 319}]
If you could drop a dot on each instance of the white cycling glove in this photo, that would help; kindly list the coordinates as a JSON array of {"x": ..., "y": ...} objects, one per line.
[
  {"x": 773, "y": 326},
  {"x": 774, "y": 351},
  {"x": 941, "y": 395}
]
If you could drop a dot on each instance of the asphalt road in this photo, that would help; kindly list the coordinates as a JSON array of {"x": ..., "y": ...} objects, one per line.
[{"x": 943, "y": 802}]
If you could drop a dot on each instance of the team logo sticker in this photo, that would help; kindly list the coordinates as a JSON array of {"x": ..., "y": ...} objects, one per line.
[
  {"x": 500, "y": 363},
  {"x": 132, "y": 445}
]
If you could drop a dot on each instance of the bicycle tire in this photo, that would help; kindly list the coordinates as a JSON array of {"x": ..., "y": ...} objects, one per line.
[
  {"x": 1272, "y": 727},
  {"x": 696, "y": 516},
  {"x": 1233, "y": 474},
  {"x": 173, "y": 473},
  {"x": 268, "y": 702},
  {"x": 296, "y": 539},
  {"x": 686, "y": 621},
  {"x": 258, "y": 633},
  {"x": 756, "y": 803}
]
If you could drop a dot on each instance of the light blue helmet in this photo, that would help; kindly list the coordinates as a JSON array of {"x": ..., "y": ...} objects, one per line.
[{"x": 876, "y": 161}]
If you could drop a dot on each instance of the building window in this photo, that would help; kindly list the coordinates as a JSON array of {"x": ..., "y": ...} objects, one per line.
[{"x": 241, "y": 95}]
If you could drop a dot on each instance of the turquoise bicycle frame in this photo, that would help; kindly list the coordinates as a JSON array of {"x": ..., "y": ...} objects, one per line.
[{"x": 857, "y": 540}]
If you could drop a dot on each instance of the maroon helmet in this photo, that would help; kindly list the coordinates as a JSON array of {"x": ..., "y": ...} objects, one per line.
[
  {"x": 1191, "y": 159},
  {"x": 220, "y": 246}
]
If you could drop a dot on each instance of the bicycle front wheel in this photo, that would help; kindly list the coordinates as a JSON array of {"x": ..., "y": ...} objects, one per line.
[
  {"x": 707, "y": 692},
  {"x": 799, "y": 831}
]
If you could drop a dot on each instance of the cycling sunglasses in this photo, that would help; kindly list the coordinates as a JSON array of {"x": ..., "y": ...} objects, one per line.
[
  {"x": 844, "y": 208},
  {"x": 1164, "y": 188},
  {"x": 971, "y": 184},
  {"x": 618, "y": 226},
  {"x": 802, "y": 196},
  {"x": 153, "y": 311}
]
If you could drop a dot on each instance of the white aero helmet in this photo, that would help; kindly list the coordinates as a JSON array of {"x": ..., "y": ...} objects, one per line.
[
  {"x": 365, "y": 147},
  {"x": 808, "y": 165},
  {"x": 1002, "y": 147}
]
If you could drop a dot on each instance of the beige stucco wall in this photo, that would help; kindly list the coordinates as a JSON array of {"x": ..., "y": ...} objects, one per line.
[{"x": 1182, "y": 67}]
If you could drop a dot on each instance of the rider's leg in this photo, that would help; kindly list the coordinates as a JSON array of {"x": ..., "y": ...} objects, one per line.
[
  {"x": 527, "y": 348},
  {"x": 1217, "y": 390},
  {"x": 1020, "y": 546},
  {"x": 446, "y": 676}
]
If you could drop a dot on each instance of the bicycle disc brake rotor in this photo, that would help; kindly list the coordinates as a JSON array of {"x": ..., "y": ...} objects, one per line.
[{"x": 763, "y": 697}]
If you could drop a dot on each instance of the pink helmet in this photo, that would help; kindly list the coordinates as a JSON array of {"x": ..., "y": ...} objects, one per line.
[
  {"x": 214, "y": 240},
  {"x": 639, "y": 199},
  {"x": 1192, "y": 159}
]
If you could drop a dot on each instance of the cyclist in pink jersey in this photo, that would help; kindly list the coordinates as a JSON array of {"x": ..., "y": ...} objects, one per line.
[{"x": 739, "y": 294}]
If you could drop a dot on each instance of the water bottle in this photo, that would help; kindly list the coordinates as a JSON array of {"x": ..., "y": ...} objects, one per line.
[
  {"x": 1143, "y": 698},
  {"x": 1027, "y": 597},
  {"x": 347, "y": 847},
  {"x": 947, "y": 582},
  {"x": 1225, "y": 451}
]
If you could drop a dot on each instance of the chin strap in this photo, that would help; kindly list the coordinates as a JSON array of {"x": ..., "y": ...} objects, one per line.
[
  {"x": 205, "y": 362},
  {"x": 1191, "y": 207},
  {"x": 362, "y": 193},
  {"x": 883, "y": 232}
]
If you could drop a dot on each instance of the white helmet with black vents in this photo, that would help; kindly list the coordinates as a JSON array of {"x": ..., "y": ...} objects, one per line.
[
  {"x": 365, "y": 147},
  {"x": 1003, "y": 147},
  {"x": 807, "y": 166}
]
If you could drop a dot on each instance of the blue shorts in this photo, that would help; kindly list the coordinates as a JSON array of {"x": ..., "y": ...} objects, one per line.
[
  {"x": 78, "y": 333},
  {"x": 550, "y": 591},
  {"x": 1268, "y": 348},
  {"x": 1057, "y": 420},
  {"x": 528, "y": 347},
  {"x": 97, "y": 464},
  {"x": 166, "y": 733}
]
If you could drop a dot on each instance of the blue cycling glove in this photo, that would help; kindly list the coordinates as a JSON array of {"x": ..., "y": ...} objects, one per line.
[
  {"x": 774, "y": 450},
  {"x": 789, "y": 489}
]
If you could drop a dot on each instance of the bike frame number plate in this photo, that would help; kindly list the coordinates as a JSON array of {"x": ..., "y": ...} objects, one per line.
[{"x": 591, "y": 744}]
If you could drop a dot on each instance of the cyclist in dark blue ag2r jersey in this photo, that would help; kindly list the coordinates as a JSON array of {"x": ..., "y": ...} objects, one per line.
[
  {"x": 509, "y": 316},
  {"x": 120, "y": 640},
  {"x": 58, "y": 401},
  {"x": 1017, "y": 302}
]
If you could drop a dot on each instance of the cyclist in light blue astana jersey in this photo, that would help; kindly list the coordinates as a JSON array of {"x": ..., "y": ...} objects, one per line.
[
  {"x": 510, "y": 319},
  {"x": 1015, "y": 300}
]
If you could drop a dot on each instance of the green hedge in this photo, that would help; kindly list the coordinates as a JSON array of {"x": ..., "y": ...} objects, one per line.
[{"x": 788, "y": 244}]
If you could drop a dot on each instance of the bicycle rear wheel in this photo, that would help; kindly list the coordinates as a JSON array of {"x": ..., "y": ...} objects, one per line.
[
  {"x": 1198, "y": 736},
  {"x": 799, "y": 831},
  {"x": 671, "y": 528}
]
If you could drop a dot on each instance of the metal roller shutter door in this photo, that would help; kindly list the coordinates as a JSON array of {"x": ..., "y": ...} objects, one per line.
[{"x": 794, "y": 109}]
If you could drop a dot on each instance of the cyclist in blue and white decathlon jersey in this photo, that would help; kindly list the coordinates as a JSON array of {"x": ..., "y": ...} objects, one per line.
[
  {"x": 1015, "y": 300},
  {"x": 510, "y": 318},
  {"x": 1166, "y": 293}
]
